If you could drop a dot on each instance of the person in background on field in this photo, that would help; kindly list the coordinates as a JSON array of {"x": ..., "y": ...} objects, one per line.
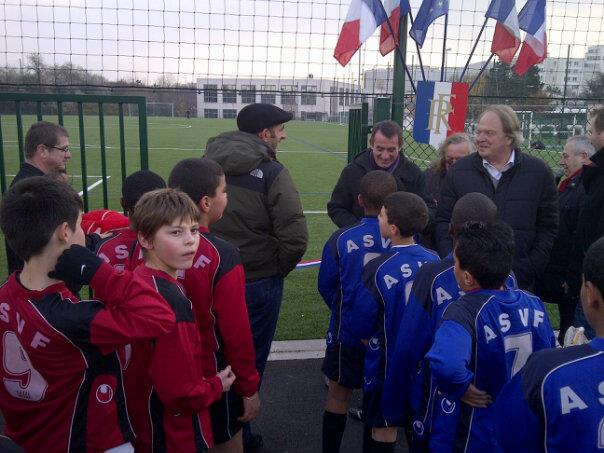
[
  {"x": 62, "y": 379},
  {"x": 263, "y": 219},
  {"x": 554, "y": 285},
  {"x": 216, "y": 286},
  {"x": 46, "y": 152},
  {"x": 555, "y": 403},
  {"x": 521, "y": 186},
  {"x": 381, "y": 300},
  {"x": 384, "y": 153},
  {"x": 344, "y": 257},
  {"x": 121, "y": 249},
  {"x": 486, "y": 335},
  {"x": 168, "y": 397}
]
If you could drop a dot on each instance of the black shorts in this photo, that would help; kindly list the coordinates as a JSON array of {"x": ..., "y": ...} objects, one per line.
[
  {"x": 372, "y": 408},
  {"x": 344, "y": 365},
  {"x": 224, "y": 413}
]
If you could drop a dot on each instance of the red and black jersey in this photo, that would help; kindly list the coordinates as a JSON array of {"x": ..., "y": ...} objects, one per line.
[
  {"x": 61, "y": 382},
  {"x": 216, "y": 286},
  {"x": 121, "y": 249},
  {"x": 168, "y": 397}
]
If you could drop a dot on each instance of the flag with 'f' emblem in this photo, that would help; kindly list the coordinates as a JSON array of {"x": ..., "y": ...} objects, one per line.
[{"x": 440, "y": 111}]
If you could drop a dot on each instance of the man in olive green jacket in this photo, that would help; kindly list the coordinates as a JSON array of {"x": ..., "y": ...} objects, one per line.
[{"x": 263, "y": 217}]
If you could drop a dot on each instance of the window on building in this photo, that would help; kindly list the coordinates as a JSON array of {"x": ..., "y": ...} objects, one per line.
[
  {"x": 308, "y": 95},
  {"x": 268, "y": 94},
  {"x": 229, "y": 94},
  {"x": 288, "y": 94},
  {"x": 229, "y": 113},
  {"x": 210, "y": 93},
  {"x": 248, "y": 94},
  {"x": 210, "y": 113}
]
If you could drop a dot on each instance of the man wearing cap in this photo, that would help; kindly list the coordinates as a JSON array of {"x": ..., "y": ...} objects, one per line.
[{"x": 263, "y": 217}]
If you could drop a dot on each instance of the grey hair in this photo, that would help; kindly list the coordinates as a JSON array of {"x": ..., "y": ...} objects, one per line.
[{"x": 581, "y": 144}]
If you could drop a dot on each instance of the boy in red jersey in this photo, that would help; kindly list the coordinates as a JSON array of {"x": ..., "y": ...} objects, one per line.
[
  {"x": 167, "y": 393},
  {"x": 61, "y": 383},
  {"x": 119, "y": 248},
  {"x": 216, "y": 286}
]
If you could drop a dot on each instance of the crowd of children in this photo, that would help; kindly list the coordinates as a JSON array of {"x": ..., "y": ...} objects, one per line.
[
  {"x": 447, "y": 351},
  {"x": 440, "y": 346}
]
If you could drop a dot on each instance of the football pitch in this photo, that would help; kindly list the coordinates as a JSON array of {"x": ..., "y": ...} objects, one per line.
[{"x": 314, "y": 153}]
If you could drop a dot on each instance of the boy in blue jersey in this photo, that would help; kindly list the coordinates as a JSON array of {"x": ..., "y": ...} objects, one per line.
[
  {"x": 344, "y": 257},
  {"x": 387, "y": 284},
  {"x": 556, "y": 402},
  {"x": 486, "y": 336},
  {"x": 409, "y": 388}
]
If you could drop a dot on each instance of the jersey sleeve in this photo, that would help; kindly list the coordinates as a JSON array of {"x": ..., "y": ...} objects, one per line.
[
  {"x": 367, "y": 299},
  {"x": 177, "y": 376},
  {"x": 513, "y": 415},
  {"x": 411, "y": 344},
  {"x": 329, "y": 274},
  {"x": 449, "y": 358},
  {"x": 132, "y": 310},
  {"x": 234, "y": 326}
]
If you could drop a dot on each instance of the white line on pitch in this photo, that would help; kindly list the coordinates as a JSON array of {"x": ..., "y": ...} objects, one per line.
[
  {"x": 92, "y": 186},
  {"x": 315, "y": 212}
]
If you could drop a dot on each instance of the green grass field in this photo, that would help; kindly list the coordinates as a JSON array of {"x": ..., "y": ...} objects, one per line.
[{"x": 314, "y": 153}]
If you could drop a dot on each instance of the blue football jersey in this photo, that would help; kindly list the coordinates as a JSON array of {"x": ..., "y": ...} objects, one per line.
[
  {"x": 344, "y": 256},
  {"x": 387, "y": 286},
  {"x": 555, "y": 403},
  {"x": 485, "y": 338}
]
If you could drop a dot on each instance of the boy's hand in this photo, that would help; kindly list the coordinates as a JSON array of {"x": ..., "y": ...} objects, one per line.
[
  {"x": 227, "y": 377},
  {"x": 476, "y": 398},
  {"x": 76, "y": 266},
  {"x": 251, "y": 408}
]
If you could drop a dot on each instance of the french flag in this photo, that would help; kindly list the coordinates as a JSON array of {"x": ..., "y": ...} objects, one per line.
[
  {"x": 506, "y": 39},
  {"x": 534, "y": 48},
  {"x": 440, "y": 111},
  {"x": 363, "y": 17},
  {"x": 395, "y": 9}
]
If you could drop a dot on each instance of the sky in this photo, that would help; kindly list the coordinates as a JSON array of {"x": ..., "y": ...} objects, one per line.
[{"x": 182, "y": 40}]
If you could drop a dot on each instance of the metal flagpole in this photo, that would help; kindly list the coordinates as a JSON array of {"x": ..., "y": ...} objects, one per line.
[
  {"x": 442, "y": 67},
  {"x": 463, "y": 73},
  {"x": 400, "y": 56},
  {"x": 481, "y": 71},
  {"x": 419, "y": 54}
]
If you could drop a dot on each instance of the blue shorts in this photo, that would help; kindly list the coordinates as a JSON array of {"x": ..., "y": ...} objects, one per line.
[
  {"x": 344, "y": 364},
  {"x": 223, "y": 414}
]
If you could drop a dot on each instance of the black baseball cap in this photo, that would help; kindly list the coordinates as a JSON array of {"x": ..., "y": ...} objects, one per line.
[{"x": 253, "y": 118}]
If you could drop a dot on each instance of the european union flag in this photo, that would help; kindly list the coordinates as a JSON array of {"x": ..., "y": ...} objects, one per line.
[{"x": 428, "y": 13}]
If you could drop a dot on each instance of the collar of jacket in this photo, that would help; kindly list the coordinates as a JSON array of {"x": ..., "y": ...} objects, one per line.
[
  {"x": 363, "y": 160},
  {"x": 518, "y": 158},
  {"x": 598, "y": 158}
]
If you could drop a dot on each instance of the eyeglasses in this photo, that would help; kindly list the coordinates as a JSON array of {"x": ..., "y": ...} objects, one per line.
[{"x": 65, "y": 149}]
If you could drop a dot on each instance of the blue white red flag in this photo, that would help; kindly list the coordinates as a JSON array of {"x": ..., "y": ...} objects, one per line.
[
  {"x": 534, "y": 49},
  {"x": 506, "y": 39},
  {"x": 428, "y": 12},
  {"x": 395, "y": 9},
  {"x": 440, "y": 111},
  {"x": 363, "y": 17}
]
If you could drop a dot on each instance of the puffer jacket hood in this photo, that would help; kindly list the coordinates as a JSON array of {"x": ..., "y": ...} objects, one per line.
[{"x": 238, "y": 152}]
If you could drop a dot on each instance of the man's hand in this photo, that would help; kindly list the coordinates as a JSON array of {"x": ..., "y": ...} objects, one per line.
[
  {"x": 251, "y": 408},
  {"x": 227, "y": 377},
  {"x": 476, "y": 398},
  {"x": 76, "y": 266}
]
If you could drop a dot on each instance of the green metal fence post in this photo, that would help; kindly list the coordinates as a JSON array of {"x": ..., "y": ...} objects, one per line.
[
  {"x": 39, "y": 111},
  {"x": 19, "y": 130},
  {"x": 103, "y": 155},
  {"x": 2, "y": 167},
  {"x": 142, "y": 133},
  {"x": 83, "y": 155},
  {"x": 122, "y": 140},
  {"x": 398, "y": 83},
  {"x": 60, "y": 112},
  {"x": 381, "y": 109}
]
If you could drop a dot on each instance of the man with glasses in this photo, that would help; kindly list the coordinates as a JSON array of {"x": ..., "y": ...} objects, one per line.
[
  {"x": 522, "y": 187},
  {"x": 46, "y": 152}
]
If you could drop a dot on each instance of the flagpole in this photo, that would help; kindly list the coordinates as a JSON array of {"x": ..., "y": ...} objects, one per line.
[
  {"x": 442, "y": 67},
  {"x": 419, "y": 54},
  {"x": 481, "y": 71},
  {"x": 400, "y": 55},
  {"x": 465, "y": 68}
]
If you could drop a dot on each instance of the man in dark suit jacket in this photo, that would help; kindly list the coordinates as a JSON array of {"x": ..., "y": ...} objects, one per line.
[
  {"x": 520, "y": 185},
  {"x": 46, "y": 151}
]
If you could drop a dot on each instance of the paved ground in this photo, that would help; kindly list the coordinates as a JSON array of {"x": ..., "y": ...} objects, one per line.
[{"x": 293, "y": 397}]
